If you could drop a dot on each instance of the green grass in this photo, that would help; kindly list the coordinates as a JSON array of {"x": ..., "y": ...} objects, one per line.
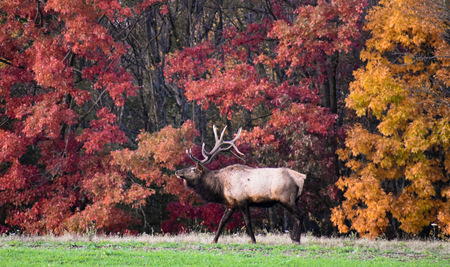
[{"x": 194, "y": 251}]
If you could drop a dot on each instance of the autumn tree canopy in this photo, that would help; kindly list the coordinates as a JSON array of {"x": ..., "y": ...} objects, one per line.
[
  {"x": 61, "y": 83},
  {"x": 398, "y": 152}
]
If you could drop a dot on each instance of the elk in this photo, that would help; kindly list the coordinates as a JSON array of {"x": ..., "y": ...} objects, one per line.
[{"x": 239, "y": 187}]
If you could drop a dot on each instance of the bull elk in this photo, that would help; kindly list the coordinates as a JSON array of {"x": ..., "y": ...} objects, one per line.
[{"x": 238, "y": 186}]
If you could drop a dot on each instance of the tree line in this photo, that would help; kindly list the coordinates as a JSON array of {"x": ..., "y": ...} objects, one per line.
[{"x": 99, "y": 101}]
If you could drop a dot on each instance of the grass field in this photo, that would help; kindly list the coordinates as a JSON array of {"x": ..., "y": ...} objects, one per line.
[{"x": 195, "y": 250}]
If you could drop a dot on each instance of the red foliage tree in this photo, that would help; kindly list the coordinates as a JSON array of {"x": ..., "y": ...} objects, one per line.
[
  {"x": 277, "y": 68},
  {"x": 60, "y": 78}
]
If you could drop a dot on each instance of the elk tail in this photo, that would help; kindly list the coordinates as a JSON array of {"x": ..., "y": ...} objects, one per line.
[{"x": 299, "y": 179}]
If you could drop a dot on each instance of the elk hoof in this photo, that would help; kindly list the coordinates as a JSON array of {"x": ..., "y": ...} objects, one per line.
[{"x": 295, "y": 238}]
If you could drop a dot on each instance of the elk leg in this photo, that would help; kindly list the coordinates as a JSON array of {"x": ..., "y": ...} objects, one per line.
[
  {"x": 298, "y": 216},
  {"x": 226, "y": 216},
  {"x": 248, "y": 223},
  {"x": 296, "y": 231}
]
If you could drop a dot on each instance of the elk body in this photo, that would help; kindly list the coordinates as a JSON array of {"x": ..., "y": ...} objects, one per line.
[{"x": 239, "y": 187}]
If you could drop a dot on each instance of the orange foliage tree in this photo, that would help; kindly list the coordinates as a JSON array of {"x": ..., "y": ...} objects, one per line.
[
  {"x": 157, "y": 157},
  {"x": 399, "y": 153}
]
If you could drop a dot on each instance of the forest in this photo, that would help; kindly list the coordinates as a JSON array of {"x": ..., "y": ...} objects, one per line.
[{"x": 100, "y": 99}]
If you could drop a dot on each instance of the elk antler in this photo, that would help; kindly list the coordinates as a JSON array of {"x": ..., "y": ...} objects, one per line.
[{"x": 208, "y": 156}]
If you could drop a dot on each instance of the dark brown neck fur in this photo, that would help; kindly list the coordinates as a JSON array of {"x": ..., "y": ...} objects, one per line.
[{"x": 209, "y": 188}]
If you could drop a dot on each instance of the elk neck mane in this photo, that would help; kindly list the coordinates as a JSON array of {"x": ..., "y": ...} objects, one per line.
[{"x": 209, "y": 187}]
